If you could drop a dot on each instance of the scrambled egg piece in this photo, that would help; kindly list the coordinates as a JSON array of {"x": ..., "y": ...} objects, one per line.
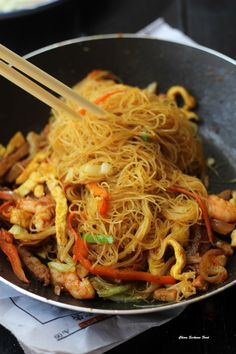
[
  {"x": 33, "y": 182},
  {"x": 180, "y": 256},
  {"x": 29, "y": 185},
  {"x": 39, "y": 191},
  {"x": 179, "y": 260},
  {"x": 33, "y": 140},
  {"x": 32, "y": 166},
  {"x": 233, "y": 238},
  {"x": 16, "y": 141},
  {"x": 61, "y": 210},
  {"x": 2, "y": 150}
]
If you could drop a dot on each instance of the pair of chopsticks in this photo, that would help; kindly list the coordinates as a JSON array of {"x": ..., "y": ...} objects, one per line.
[{"x": 25, "y": 67}]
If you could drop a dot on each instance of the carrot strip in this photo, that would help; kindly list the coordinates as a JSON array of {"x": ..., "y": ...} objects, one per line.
[
  {"x": 100, "y": 99},
  {"x": 106, "y": 95},
  {"x": 99, "y": 191},
  {"x": 79, "y": 255},
  {"x": 10, "y": 250},
  {"x": 82, "y": 111},
  {"x": 131, "y": 275},
  {"x": 103, "y": 206},
  {"x": 201, "y": 204},
  {"x": 80, "y": 246}
]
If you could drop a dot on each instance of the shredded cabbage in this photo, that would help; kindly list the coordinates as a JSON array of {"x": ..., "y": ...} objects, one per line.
[
  {"x": 20, "y": 233},
  {"x": 61, "y": 267}
]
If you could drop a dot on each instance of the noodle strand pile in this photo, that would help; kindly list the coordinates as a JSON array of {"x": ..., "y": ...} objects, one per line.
[{"x": 125, "y": 195}]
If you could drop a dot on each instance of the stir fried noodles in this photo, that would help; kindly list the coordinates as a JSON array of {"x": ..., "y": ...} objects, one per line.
[{"x": 116, "y": 206}]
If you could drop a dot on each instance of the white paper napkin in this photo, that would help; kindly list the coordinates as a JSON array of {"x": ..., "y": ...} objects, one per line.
[
  {"x": 41, "y": 328},
  {"x": 160, "y": 29}
]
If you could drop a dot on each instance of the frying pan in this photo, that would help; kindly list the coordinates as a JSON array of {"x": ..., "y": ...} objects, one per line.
[{"x": 208, "y": 75}]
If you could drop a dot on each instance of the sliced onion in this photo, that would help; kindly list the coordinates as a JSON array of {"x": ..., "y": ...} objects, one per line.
[
  {"x": 20, "y": 233},
  {"x": 61, "y": 267},
  {"x": 94, "y": 170}
]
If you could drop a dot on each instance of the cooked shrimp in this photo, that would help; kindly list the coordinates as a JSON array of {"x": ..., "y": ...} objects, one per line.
[
  {"x": 79, "y": 289},
  {"x": 221, "y": 209},
  {"x": 42, "y": 217},
  {"x": 26, "y": 204},
  {"x": 212, "y": 266},
  {"x": 36, "y": 213},
  {"x": 30, "y": 204}
]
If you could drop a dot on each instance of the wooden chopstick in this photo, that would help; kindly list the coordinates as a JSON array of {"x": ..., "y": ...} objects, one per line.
[
  {"x": 45, "y": 79},
  {"x": 34, "y": 89}
]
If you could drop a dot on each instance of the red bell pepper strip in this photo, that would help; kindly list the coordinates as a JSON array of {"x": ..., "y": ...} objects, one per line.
[
  {"x": 10, "y": 250},
  {"x": 131, "y": 275},
  {"x": 80, "y": 246}
]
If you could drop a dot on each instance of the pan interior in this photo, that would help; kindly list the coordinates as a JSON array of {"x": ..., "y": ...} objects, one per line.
[{"x": 138, "y": 62}]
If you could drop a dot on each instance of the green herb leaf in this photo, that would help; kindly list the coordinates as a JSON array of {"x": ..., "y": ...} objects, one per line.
[{"x": 90, "y": 238}]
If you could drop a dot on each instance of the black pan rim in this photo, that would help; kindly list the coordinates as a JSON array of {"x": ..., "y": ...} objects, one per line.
[
  {"x": 147, "y": 309},
  {"x": 125, "y": 35}
]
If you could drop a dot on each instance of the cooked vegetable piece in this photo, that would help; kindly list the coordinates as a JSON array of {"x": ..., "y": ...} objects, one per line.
[
  {"x": 99, "y": 191},
  {"x": 10, "y": 250},
  {"x": 105, "y": 289},
  {"x": 97, "y": 238}
]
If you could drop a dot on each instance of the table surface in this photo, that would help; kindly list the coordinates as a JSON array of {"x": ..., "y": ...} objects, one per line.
[{"x": 210, "y": 23}]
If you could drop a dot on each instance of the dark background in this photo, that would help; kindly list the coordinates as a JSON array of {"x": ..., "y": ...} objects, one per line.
[{"x": 211, "y": 23}]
